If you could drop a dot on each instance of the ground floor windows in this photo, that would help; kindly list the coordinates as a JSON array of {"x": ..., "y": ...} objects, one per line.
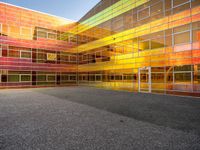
[
  {"x": 182, "y": 78},
  {"x": 13, "y": 78},
  {"x": 25, "y": 78},
  {"x": 43, "y": 78},
  {"x": 185, "y": 78},
  {"x": 18, "y": 76}
]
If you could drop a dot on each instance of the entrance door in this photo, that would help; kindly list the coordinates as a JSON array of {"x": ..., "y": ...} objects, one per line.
[{"x": 144, "y": 75}]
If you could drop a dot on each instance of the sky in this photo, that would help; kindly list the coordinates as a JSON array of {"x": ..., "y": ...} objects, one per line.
[{"x": 70, "y": 9}]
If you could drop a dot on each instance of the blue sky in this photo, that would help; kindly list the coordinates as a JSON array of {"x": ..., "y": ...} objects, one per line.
[{"x": 70, "y": 9}]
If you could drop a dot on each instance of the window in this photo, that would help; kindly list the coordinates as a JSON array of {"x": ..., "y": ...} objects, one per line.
[
  {"x": 157, "y": 77},
  {"x": 157, "y": 8},
  {"x": 72, "y": 38},
  {"x": 25, "y": 54},
  {"x": 98, "y": 54},
  {"x": 195, "y": 3},
  {"x": 72, "y": 77},
  {"x": 98, "y": 77},
  {"x": 14, "y": 53},
  {"x": 196, "y": 32},
  {"x": 13, "y": 78},
  {"x": 179, "y": 2},
  {"x": 183, "y": 68},
  {"x": 180, "y": 5},
  {"x": 182, "y": 34},
  {"x": 47, "y": 33},
  {"x": 182, "y": 28},
  {"x": 183, "y": 74},
  {"x": 51, "y": 56},
  {"x": 64, "y": 57},
  {"x": 42, "y": 34},
  {"x": 182, "y": 77},
  {"x": 51, "y": 78},
  {"x": 117, "y": 23},
  {"x": 144, "y": 13},
  {"x": 52, "y": 36},
  {"x": 41, "y": 78},
  {"x": 128, "y": 20},
  {"x": 25, "y": 78},
  {"x": 64, "y": 77},
  {"x": 182, "y": 38},
  {"x": 73, "y": 58}
]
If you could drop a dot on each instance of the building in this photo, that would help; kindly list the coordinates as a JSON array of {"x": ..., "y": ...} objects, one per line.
[
  {"x": 33, "y": 50},
  {"x": 136, "y": 45},
  {"x": 141, "y": 46}
]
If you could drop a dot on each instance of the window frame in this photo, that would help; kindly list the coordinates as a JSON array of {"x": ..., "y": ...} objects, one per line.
[
  {"x": 72, "y": 75},
  {"x": 56, "y": 37},
  {"x": 42, "y": 32},
  {"x": 49, "y": 54},
  {"x": 190, "y": 71},
  {"x": 13, "y": 75},
  {"x": 20, "y": 77},
  {"x": 64, "y": 75},
  {"x": 178, "y": 33},
  {"x": 1, "y": 51},
  {"x": 175, "y": 6},
  {"x": 71, "y": 58},
  {"x": 21, "y": 51},
  {"x": 98, "y": 75},
  {"x": 149, "y": 13},
  {"x": 47, "y": 77},
  {"x": 157, "y": 12}
]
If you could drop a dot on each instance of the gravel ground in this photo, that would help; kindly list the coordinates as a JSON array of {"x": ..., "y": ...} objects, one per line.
[{"x": 83, "y": 118}]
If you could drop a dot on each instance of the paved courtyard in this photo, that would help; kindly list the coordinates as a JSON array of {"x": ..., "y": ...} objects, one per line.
[{"x": 83, "y": 118}]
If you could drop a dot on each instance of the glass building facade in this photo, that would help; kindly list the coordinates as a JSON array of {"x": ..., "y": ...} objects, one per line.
[
  {"x": 142, "y": 46},
  {"x": 33, "y": 50},
  {"x": 135, "y": 45}
]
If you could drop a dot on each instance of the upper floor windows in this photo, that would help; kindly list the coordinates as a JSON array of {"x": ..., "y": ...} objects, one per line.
[
  {"x": 41, "y": 34},
  {"x": 19, "y": 76},
  {"x": 180, "y": 5},
  {"x": 143, "y": 13},
  {"x": 183, "y": 37},
  {"x": 179, "y": 2},
  {"x": 157, "y": 8},
  {"x": 46, "y": 33},
  {"x": 182, "y": 34},
  {"x": 19, "y": 53},
  {"x": 25, "y": 54},
  {"x": 54, "y": 35}
]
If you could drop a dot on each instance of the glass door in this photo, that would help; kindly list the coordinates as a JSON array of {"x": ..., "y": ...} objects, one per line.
[{"x": 144, "y": 79}]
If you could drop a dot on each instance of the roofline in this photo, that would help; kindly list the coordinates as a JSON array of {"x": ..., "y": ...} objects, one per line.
[
  {"x": 89, "y": 11},
  {"x": 38, "y": 11}
]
